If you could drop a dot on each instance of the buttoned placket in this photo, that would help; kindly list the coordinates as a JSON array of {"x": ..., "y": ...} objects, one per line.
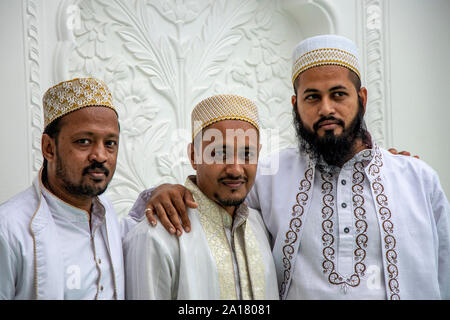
[
  {"x": 97, "y": 259},
  {"x": 230, "y": 226},
  {"x": 344, "y": 222},
  {"x": 229, "y": 232},
  {"x": 97, "y": 239}
]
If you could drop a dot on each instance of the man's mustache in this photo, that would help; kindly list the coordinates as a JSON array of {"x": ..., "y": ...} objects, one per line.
[
  {"x": 98, "y": 167},
  {"x": 317, "y": 124}
]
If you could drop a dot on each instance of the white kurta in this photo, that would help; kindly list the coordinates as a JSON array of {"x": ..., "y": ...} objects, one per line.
[
  {"x": 204, "y": 263},
  {"x": 379, "y": 228},
  {"x": 48, "y": 250},
  {"x": 87, "y": 264}
]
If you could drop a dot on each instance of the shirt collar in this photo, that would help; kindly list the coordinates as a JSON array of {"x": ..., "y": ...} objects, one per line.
[{"x": 70, "y": 212}]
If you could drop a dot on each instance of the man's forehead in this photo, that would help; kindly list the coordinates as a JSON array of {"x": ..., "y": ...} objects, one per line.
[
  {"x": 230, "y": 129},
  {"x": 90, "y": 119},
  {"x": 229, "y": 133},
  {"x": 325, "y": 76}
]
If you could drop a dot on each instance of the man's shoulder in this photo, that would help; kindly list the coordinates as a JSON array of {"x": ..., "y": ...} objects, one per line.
[
  {"x": 407, "y": 165},
  {"x": 16, "y": 215},
  {"x": 279, "y": 163},
  {"x": 284, "y": 154},
  {"x": 144, "y": 233},
  {"x": 20, "y": 207}
]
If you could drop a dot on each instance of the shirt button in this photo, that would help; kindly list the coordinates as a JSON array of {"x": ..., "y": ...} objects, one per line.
[
  {"x": 346, "y": 230},
  {"x": 99, "y": 261},
  {"x": 343, "y": 182},
  {"x": 344, "y": 205},
  {"x": 101, "y": 288}
]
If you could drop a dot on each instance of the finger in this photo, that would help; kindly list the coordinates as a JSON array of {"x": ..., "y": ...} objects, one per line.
[
  {"x": 189, "y": 200},
  {"x": 162, "y": 215},
  {"x": 405, "y": 153},
  {"x": 173, "y": 216},
  {"x": 150, "y": 216},
  {"x": 416, "y": 156},
  {"x": 393, "y": 151},
  {"x": 181, "y": 209}
]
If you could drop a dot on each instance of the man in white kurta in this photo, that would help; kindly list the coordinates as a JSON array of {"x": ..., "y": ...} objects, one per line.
[
  {"x": 60, "y": 239},
  {"x": 224, "y": 258},
  {"x": 372, "y": 225},
  {"x": 227, "y": 255},
  {"x": 49, "y": 251},
  {"x": 378, "y": 228}
]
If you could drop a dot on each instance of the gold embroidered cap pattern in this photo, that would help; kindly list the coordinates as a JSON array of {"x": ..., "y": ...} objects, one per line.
[
  {"x": 75, "y": 94},
  {"x": 321, "y": 57},
  {"x": 223, "y": 107},
  {"x": 325, "y": 50}
]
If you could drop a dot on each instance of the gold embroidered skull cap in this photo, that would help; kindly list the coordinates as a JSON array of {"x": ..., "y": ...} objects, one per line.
[
  {"x": 223, "y": 107},
  {"x": 71, "y": 95},
  {"x": 325, "y": 50}
]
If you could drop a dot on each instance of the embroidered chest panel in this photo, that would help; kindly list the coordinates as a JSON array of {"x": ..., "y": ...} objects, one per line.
[{"x": 366, "y": 189}]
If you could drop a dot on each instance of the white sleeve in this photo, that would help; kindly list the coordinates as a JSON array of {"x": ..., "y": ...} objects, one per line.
[
  {"x": 151, "y": 262},
  {"x": 7, "y": 270},
  {"x": 441, "y": 209}
]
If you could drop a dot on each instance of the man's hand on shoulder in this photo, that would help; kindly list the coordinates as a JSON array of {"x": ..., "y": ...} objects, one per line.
[
  {"x": 403, "y": 153},
  {"x": 169, "y": 202}
]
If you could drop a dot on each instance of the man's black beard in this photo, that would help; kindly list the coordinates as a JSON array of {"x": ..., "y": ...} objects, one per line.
[
  {"x": 230, "y": 202},
  {"x": 334, "y": 150},
  {"x": 83, "y": 190}
]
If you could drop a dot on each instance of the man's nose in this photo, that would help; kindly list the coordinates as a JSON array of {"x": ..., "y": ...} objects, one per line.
[
  {"x": 235, "y": 168},
  {"x": 327, "y": 107},
  {"x": 98, "y": 153}
]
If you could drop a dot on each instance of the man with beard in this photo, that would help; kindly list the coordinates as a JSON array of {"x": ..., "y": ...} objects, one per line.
[
  {"x": 348, "y": 219},
  {"x": 227, "y": 255},
  {"x": 60, "y": 238}
]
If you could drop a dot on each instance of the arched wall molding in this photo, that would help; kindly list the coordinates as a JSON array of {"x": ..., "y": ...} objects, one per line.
[
  {"x": 313, "y": 16},
  {"x": 31, "y": 18},
  {"x": 375, "y": 49}
]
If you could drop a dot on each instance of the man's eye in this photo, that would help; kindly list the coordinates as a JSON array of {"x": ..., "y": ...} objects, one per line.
[
  {"x": 339, "y": 94},
  {"x": 111, "y": 143},
  {"x": 83, "y": 141},
  {"x": 245, "y": 155},
  {"x": 312, "y": 97},
  {"x": 219, "y": 154},
  {"x": 216, "y": 154}
]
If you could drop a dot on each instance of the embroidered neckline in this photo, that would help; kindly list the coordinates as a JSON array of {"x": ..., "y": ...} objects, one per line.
[
  {"x": 328, "y": 252},
  {"x": 371, "y": 162}
]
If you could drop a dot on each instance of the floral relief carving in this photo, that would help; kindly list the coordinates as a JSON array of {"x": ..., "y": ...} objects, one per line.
[{"x": 160, "y": 58}]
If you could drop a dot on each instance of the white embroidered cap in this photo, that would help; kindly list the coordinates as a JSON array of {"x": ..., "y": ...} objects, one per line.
[
  {"x": 223, "y": 107},
  {"x": 75, "y": 94},
  {"x": 325, "y": 50}
]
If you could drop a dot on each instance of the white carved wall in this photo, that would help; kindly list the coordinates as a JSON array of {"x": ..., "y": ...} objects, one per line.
[{"x": 161, "y": 57}]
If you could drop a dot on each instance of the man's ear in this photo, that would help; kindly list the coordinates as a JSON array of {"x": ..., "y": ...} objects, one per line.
[
  {"x": 294, "y": 101},
  {"x": 191, "y": 155},
  {"x": 362, "y": 93},
  {"x": 48, "y": 147}
]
